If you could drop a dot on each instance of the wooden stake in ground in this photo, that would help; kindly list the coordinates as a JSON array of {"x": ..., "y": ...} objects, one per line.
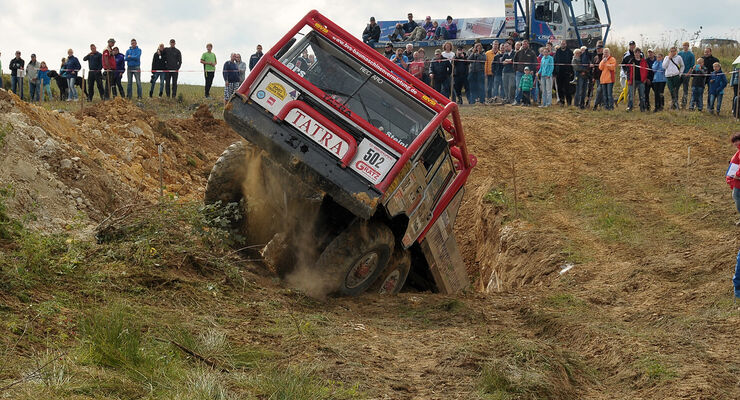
[
  {"x": 513, "y": 174},
  {"x": 161, "y": 184}
]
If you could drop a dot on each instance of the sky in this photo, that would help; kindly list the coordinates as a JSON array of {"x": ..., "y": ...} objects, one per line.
[{"x": 49, "y": 28}]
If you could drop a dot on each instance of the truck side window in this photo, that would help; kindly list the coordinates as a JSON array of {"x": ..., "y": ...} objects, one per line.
[
  {"x": 557, "y": 14},
  {"x": 543, "y": 11}
]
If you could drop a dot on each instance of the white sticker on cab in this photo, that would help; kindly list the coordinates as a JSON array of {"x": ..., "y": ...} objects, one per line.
[
  {"x": 318, "y": 133},
  {"x": 372, "y": 161},
  {"x": 273, "y": 93}
]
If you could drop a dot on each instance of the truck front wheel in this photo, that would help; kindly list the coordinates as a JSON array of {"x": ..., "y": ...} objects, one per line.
[{"x": 356, "y": 257}]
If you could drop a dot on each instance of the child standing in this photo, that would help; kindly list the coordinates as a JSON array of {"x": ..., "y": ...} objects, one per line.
[
  {"x": 697, "y": 85},
  {"x": 45, "y": 80},
  {"x": 717, "y": 83},
  {"x": 525, "y": 84}
]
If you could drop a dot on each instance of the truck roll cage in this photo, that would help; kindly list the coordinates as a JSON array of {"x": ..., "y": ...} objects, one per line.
[{"x": 440, "y": 105}]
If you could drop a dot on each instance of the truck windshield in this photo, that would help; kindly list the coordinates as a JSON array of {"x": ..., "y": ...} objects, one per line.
[
  {"x": 356, "y": 86},
  {"x": 586, "y": 12}
]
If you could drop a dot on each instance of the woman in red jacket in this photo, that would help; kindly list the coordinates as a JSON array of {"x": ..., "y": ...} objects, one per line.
[{"x": 733, "y": 175}]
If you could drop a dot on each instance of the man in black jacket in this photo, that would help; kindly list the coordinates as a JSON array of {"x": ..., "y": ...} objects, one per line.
[
  {"x": 371, "y": 34},
  {"x": 254, "y": 58},
  {"x": 460, "y": 74},
  {"x": 95, "y": 62},
  {"x": 440, "y": 71},
  {"x": 158, "y": 67},
  {"x": 564, "y": 73},
  {"x": 709, "y": 61},
  {"x": 17, "y": 64},
  {"x": 172, "y": 61}
]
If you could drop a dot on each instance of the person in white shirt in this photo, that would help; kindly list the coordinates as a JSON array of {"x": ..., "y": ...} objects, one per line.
[{"x": 673, "y": 65}]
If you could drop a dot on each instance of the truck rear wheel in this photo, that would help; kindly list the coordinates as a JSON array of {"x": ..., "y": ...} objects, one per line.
[
  {"x": 356, "y": 257},
  {"x": 226, "y": 184},
  {"x": 394, "y": 276}
]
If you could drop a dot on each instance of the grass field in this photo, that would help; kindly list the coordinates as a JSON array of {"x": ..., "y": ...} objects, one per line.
[{"x": 161, "y": 307}]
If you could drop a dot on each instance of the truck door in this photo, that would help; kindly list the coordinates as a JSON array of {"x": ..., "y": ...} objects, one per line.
[{"x": 551, "y": 13}]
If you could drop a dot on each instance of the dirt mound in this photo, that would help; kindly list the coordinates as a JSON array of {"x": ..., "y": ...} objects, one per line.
[{"x": 65, "y": 167}]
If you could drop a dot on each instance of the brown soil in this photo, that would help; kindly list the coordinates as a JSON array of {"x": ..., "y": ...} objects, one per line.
[{"x": 80, "y": 167}]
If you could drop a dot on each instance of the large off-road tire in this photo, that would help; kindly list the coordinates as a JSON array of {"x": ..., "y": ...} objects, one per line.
[
  {"x": 354, "y": 259},
  {"x": 394, "y": 276},
  {"x": 226, "y": 183}
]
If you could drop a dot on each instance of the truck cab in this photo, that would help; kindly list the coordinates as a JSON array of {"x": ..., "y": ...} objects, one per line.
[{"x": 383, "y": 153}]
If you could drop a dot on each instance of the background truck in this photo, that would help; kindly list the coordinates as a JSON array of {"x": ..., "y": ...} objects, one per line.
[
  {"x": 576, "y": 21},
  {"x": 355, "y": 167}
]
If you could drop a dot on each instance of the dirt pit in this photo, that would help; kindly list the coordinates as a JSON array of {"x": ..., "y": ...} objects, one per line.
[{"x": 61, "y": 169}]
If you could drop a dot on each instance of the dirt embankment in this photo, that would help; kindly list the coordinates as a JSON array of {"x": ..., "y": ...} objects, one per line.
[{"x": 65, "y": 168}]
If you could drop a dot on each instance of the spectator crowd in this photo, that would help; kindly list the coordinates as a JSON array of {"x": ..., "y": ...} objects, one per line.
[
  {"x": 512, "y": 72},
  {"x": 105, "y": 71}
]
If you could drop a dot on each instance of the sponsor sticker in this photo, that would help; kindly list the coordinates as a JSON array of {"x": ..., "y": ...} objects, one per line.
[
  {"x": 277, "y": 89},
  {"x": 372, "y": 161},
  {"x": 327, "y": 139},
  {"x": 273, "y": 93}
]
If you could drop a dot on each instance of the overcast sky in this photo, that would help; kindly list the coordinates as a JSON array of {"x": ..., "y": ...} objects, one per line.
[{"x": 49, "y": 28}]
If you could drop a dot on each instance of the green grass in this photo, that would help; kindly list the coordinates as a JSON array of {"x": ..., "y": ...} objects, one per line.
[
  {"x": 655, "y": 369},
  {"x": 611, "y": 219}
]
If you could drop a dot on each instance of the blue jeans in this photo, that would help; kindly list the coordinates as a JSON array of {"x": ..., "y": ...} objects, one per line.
[
  {"x": 536, "y": 91},
  {"x": 546, "y": 91},
  {"x": 33, "y": 90},
  {"x": 697, "y": 94},
  {"x": 640, "y": 87},
  {"x": 477, "y": 93},
  {"x": 489, "y": 86},
  {"x": 718, "y": 99},
  {"x": 518, "y": 79},
  {"x": 498, "y": 85},
  {"x": 509, "y": 86},
  {"x": 47, "y": 91},
  {"x": 157, "y": 76},
  {"x": 608, "y": 88},
  {"x": 72, "y": 91},
  {"x": 581, "y": 91},
  {"x": 136, "y": 73},
  {"x": 15, "y": 82},
  {"x": 736, "y": 277}
]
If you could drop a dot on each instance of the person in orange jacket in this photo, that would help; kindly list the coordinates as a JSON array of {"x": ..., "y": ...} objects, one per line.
[{"x": 608, "y": 66}]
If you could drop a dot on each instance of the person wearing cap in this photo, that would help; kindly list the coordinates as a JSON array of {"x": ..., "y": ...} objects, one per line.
[
  {"x": 172, "y": 62},
  {"x": 95, "y": 64},
  {"x": 450, "y": 29},
  {"x": 441, "y": 70},
  {"x": 649, "y": 85},
  {"x": 109, "y": 65},
  {"x": 388, "y": 52},
  {"x": 16, "y": 78},
  {"x": 32, "y": 72},
  {"x": 689, "y": 59},
  {"x": 674, "y": 67},
  {"x": 526, "y": 84},
  {"x": 596, "y": 74},
  {"x": 626, "y": 58},
  {"x": 133, "y": 58},
  {"x": 371, "y": 34},
  {"x": 460, "y": 76}
]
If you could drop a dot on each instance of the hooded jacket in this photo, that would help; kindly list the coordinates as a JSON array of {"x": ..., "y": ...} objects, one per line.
[
  {"x": 717, "y": 82},
  {"x": 639, "y": 70},
  {"x": 608, "y": 66},
  {"x": 133, "y": 57},
  {"x": 158, "y": 63},
  {"x": 372, "y": 32},
  {"x": 109, "y": 60},
  {"x": 32, "y": 70},
  {"x": 71, "y": 67}
]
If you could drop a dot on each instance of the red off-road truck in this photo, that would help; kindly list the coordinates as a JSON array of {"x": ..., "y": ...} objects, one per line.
[{"x": 357, "y": 166}]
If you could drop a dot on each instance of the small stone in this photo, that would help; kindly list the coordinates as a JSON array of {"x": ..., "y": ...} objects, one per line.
[
  {"x": 75, "y": 159},
  {"x": 79, "y": 201},
  {"x": 65, "y": 164}
]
